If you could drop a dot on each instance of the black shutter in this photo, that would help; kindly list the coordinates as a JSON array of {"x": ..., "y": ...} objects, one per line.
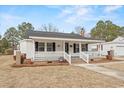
[
  {"x": 36, "y": 46},
  {"x": 74, "y": 48},
  {"x": 54, "y": 46}
]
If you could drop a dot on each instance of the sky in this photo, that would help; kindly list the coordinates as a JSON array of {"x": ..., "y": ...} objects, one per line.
[{"x": 64, "y": 17}]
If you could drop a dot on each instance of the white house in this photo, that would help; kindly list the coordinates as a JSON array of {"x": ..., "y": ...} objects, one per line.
[
  {"x": 48, "y": 46},
  {"x": 117, "y": 45}
]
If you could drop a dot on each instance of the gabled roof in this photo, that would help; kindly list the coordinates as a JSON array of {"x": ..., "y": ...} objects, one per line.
[
  {"x": 119, "y": 39},
  {"x": 55, "y": 35}
]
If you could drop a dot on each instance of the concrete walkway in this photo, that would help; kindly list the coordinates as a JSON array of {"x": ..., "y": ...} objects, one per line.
[{"x": 106, "y": 71}]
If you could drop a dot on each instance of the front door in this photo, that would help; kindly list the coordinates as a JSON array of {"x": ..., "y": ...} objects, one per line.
[
  {"x": 75, "y": 48},
  {"x": 67, "y": 47}
]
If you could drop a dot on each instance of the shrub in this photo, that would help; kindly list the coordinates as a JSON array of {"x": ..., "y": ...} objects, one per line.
[{"x": 9, "y": 51}]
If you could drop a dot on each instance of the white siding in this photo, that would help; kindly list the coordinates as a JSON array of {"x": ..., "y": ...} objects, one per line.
[
  {"x": 107, "y": 47},
  {"x": 23, "y": 46},
  {"x": 26, "y": 46},
  {"x": 30, "y": 49},
  {"x": 119, "y": 50},
  {"x": 116, "y": 47}
]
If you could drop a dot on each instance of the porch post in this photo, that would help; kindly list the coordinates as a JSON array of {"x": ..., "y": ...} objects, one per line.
[
  {"x": 33, "y": 50},
  {"x": 100, "y": 49},
  {"x": 80, "y": 47},
  {"x": 63, "y": 46},
  {"x": 45, "y": 46}
]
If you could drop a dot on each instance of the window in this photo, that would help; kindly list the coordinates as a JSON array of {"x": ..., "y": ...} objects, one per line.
[
  {"x": 76, "y": 48},
  {"x": 39, "y": 46},
  {"x": 51, "y": 46},
  {"x": 84, "y": 47}
]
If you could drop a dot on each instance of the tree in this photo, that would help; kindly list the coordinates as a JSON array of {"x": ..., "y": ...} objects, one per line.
[
  {"x": 4, "y": 45},
  {"x": 105, "y": 30},
  {"x": 49, "y": 28},
  {"x": 12, "y": 36},
  {"x": 0, "y": 46},
  {"x": 0, "y": 36},
  {"x": 23, "y": 28},
  {"x": 121, "y": 31},
  {"x": 98, "y": 31}
]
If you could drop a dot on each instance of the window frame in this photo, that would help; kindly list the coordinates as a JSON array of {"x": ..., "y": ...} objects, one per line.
[
  {"x": 52, "y": 47},
  {"x": 84, "y": 46},
  {"x": 39, "y": 47}
]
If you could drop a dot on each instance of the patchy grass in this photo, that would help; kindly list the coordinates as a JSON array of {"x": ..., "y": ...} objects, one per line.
[
  {"x": 116, "y": 66},
  {"x": 52, "y": 76}
]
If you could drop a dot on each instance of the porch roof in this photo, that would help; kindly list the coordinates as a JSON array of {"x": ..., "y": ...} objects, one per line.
[{"x": 56, "y": 35}]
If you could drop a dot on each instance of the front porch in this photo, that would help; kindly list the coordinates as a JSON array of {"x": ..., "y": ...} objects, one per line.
[{"x": 52, "y": 50}]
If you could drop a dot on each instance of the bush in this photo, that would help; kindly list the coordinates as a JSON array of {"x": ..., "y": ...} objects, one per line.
[
  {"x": 3, "y": 50},
  {"x": 9, "y": 51}
]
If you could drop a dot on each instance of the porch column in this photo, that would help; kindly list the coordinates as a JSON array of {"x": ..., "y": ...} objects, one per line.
[
  {"x": 33, "y": 50},
  {"x": 100, "y": 49},
  {"x": 45, "y": 50},
  {"x": 63, "y": 46},
  {"x": 80, "y": 47}
]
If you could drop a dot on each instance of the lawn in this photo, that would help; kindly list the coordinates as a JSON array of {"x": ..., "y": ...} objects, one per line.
[
  {"x": 52, "y": 76},
  {"x": 116, "y": 66}
]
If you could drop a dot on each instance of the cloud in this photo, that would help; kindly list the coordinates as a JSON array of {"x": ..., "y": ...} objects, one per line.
[
  {"x": 8, "y": 20},
  {"x": 74, "y": 13},
  {"x": 109, "y": 9},
  {"x": 81, "y": 14},
  {"x": 65, "y": 12},
  {"x": 9, "y": 17}
]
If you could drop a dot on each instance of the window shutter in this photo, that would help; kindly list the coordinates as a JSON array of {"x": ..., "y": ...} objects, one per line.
[
  {"x": 36, "y": 46},
  {"x": 74, "y": 48},
  {"x": 54, "y": 46}
]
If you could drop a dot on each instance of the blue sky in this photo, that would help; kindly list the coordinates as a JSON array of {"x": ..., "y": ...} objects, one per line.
[{"x": 64, "y": 17}]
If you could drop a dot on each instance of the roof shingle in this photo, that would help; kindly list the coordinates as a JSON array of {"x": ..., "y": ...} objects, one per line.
[{"x": 55, "y": 35}]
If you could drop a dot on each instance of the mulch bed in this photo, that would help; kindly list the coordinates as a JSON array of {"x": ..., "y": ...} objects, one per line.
[
  {"x": 41, "y": 64},
  {"x": 104, "y": 60}
]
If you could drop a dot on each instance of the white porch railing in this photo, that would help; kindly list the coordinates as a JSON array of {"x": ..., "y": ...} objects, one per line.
[
  {"x": 67, "y": 57},
  {"x": 48, "y": 56},
  {"x": 85, "y": 57},
  {"x": 93, "y": 54},
  {"x": 75, "y": 54}
]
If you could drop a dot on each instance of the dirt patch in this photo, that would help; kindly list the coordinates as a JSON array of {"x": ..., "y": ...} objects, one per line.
[
  {"x": 40, "y": 64},
  {"x": 104, "y": 60},
  {"x": 116, "y": 66},
  {"x": 52, "y": 76}
]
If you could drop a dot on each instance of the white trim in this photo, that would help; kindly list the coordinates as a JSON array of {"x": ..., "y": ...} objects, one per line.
[
  {"x": 65, "y": 39},
  {"x": 80, "y": 48},
  {"x": 33, "y": 49},
  {"x": 25, "y": 40}
]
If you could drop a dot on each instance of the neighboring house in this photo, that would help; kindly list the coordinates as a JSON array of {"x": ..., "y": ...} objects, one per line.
[
  {"x": 117, "y": 46},
  {"x": 48, "y": 46}
]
